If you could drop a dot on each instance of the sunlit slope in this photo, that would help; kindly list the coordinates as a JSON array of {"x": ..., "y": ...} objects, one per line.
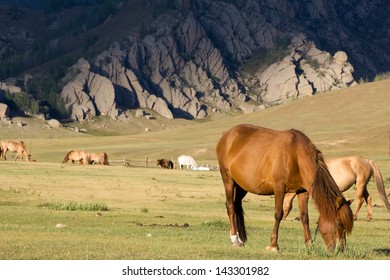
[{"x": 344, "y": 122}]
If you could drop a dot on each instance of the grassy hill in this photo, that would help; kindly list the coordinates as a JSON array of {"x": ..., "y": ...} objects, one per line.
[{"x": 344, "y": 122}]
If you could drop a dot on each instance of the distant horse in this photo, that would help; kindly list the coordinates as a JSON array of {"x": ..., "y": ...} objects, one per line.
[
  {"x": 165, "y": 163},
  {"x": 98, "y": 158},
  {"x": 80, "y": 156},
  {"x": 269, "y": 162},
  {"x": 348, "y": 171},
  {"x": 187, "y": 161},
  {"x": 16, "y": 147}
]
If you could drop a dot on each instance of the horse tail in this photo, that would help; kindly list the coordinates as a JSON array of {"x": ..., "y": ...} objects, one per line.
[
  {"x": 379, "y": 183},
  {"x": 240, "y": 214}
]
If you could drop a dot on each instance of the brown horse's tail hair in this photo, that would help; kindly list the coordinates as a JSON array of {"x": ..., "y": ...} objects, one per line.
[
  {"x": 379, "y": 183},
  {"x": 240, "y": 216}
]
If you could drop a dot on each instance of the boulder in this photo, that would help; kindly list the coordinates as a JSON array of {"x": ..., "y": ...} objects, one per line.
[
  {"x": 54, "y": 123},
  {"x": 4, "y": 111}
]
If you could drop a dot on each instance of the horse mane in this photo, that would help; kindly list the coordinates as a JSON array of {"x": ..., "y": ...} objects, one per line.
[
  {"x": 325, "y": 191},
  {"x": 67, "y": 155},
  {"x": 105, "y": 159}
]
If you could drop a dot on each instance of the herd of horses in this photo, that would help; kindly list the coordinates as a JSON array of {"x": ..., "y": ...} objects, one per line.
[
  {"x": 82, "y": 157},
  {"x": 284, "y": 164}
]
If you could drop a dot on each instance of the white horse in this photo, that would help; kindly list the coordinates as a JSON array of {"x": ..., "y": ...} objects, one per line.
[{"x": 187, "y": 161}]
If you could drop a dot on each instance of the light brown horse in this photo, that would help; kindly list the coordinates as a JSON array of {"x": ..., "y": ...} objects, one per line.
[
  {"x": 98, "y": 158},
  {"x": 349, "y": 171},
  {"x": 16, "y": 147},
  {"x": 79, "y": 156},
  {"x": 269, "y": 162}
]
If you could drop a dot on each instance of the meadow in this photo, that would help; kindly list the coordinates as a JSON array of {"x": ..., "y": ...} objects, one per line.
[{"x": 51, "y": 210}]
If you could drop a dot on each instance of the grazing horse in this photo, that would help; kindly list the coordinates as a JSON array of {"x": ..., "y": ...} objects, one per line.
[
  {"x": 165, "y": 163},
  {"x": 269, "y": 162},
  {"x": 187, "y": 161},
  {"x": 16, "y": 147},
  {"x": 80, "y": 156},
  {"x": 98, "y": 158},
  {"x": 346, "y": 172}
]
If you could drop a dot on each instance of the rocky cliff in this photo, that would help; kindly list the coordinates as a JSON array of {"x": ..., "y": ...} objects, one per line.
[
  {"x": 189, "y": 66},
  {"x": 202, "y": 56}
]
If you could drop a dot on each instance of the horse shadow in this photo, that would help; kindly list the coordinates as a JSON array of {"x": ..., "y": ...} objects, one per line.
[{"x": 383, "y": 251}]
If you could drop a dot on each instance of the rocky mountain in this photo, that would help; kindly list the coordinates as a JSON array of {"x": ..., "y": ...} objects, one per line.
[{"x": 198, "y": 57}]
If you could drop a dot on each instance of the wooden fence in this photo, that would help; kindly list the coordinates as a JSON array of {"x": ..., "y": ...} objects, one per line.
[{"x": 152, "y": 163}]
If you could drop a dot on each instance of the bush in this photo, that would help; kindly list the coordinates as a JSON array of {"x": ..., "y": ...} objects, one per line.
[
  {"x": 382, "y": 76},
  {"x": 21, "y": 101}
]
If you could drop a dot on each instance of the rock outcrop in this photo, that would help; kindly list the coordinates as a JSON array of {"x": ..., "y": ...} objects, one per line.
[
  {"x": 304, "y": 72},
  {"x": 189, "y": 60},
  {"x": 184, "y": 69}
]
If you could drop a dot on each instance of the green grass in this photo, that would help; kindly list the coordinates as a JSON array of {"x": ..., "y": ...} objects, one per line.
[
  {"x": 75, "y": 206},
  {"x": 155, "y": 213}
]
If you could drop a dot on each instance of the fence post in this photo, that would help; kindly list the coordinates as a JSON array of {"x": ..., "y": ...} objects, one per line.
[{"x": 146, "y": 161}]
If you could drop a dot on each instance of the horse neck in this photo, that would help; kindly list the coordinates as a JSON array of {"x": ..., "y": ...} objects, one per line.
[
  {"x": 325, "y": 192},
  {"x": 320, "y": 183}
]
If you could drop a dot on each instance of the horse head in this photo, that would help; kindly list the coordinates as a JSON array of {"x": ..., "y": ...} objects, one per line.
[{"x": 334, "y": 232}]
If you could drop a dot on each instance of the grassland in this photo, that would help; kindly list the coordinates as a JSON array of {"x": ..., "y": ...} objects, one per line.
[{"x": 175, "y": 214}]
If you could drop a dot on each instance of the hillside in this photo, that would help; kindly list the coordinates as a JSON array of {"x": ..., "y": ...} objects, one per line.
[
  {"x": 357, "y": 123},
  {"x": 186, "y": 59}
]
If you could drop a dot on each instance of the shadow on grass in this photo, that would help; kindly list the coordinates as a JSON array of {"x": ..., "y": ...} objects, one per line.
[{"x": 385, "y": 251}]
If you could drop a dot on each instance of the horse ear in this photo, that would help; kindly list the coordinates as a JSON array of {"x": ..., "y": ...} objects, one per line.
[
  {"x": 350, "y": 201},
  {"x": 339, "y": 202}
]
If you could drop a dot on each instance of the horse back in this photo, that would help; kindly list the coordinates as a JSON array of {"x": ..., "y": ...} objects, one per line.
[
  {"x": 256, "y": 158},
  {"x": 346, "y": 171}
]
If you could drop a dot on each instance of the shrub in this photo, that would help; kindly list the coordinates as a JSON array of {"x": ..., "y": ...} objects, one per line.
[{"x": 382, "y": 76}]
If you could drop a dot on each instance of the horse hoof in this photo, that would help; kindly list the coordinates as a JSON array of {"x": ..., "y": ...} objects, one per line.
[
  {"x": 238, "y": 244},
  {"x": 272, "y": 249}
]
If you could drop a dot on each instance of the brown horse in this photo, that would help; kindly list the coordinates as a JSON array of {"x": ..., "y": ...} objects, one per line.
[
  {"x": 16, "y": 147},
  {"x": 98, "y": 158},
  {"x": 165, "y": 163},
  {"x": 269, "y": 162},
  {"x": 80, "y": 156},
  {"x": 348, "y": 171}
]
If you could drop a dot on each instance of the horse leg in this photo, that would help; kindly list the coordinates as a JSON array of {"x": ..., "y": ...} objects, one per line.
[
  {"x": 288, "y": 204},
  {"x": 230, "y": 207},
  {"x": 361, "y": 195},
  {"x": 239, "y": 213},
  {"x": 303, "y": 199},
  {"x": 279, "y": 197},
  {"x": 368, "y": 201}
]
